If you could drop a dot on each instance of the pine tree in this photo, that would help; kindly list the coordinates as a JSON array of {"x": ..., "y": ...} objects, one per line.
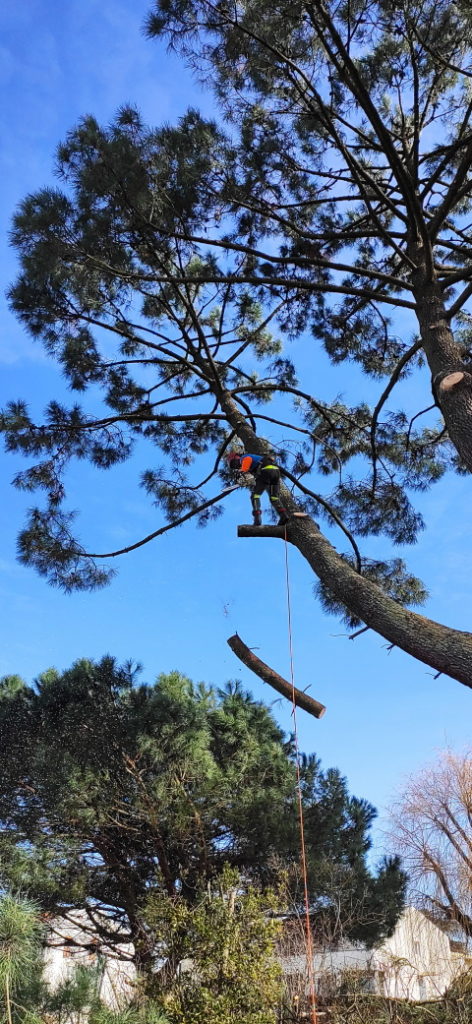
[
  {"x": 354, "y": 149},
  {"x": 20, "y": 954},
  {"x": 112, "y": 794},
  {"x": 336, "y": 194}
]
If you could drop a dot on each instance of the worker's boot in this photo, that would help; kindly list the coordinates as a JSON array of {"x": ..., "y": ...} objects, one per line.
[
  {"x": 283, "y": 516},
  {"x": 256, "y": 516}
]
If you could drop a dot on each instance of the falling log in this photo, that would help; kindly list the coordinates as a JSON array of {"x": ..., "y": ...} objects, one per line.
[{"x": 302, "y": 700}]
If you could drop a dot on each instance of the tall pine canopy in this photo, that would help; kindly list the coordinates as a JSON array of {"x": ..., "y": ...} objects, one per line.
[
  {"x": 114, "y": 795},
  {"x": 170, "y": 272}
]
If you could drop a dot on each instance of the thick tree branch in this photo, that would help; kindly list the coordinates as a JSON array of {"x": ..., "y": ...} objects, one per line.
[
  {"x": 452, "y": 194},
  {"x": 332, "y": 512},
  {"x": 273, "y": 281},
  {"x": 459, "y": 302},
  {"x": 298, "y": 697},
  {"x": 349, "y": 73},
  {"x": 444, "y": 649},
  {"x": 300, "y": 261}
]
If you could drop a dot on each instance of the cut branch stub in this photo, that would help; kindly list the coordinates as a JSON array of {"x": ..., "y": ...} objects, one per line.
[
  {"x": 451, "y": 381},
  {"x": 302, "y": 700}
]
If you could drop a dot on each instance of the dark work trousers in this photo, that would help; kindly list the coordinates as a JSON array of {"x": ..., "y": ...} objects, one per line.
[{"x": 267, "y": 479}]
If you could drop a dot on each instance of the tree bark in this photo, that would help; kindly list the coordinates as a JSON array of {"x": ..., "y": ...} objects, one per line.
[
  {"x": 446, "y": 650},
  {"x": 451, "y": 377},
  {"x": 301, "y": 699}
]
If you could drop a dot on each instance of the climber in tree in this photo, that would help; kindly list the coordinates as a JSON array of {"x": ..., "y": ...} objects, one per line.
[{"x": 266, "y": 475}]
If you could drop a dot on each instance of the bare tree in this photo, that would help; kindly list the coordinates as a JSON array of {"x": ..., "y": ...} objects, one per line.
[{"x": 432, "y": 828}]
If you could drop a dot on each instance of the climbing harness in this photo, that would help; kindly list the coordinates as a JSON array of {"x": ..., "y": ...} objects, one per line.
[{"x": 308, "y": 936}]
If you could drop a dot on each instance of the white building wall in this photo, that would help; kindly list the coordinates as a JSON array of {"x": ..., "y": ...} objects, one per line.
[
  {"x": 117, "y": 974},
  {"x": 416, "y": 961}
]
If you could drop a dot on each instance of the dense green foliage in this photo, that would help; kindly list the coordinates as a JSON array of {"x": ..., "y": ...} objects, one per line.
[
  {"x": 227, "y": 942},
  {"x": 112, "y": 792},
  {"x": 20, "y": 953},
  {"x": 171, "y": 266}
]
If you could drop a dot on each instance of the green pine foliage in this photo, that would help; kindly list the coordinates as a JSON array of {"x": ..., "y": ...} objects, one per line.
[
  {"x": 169, "y": 272},
  {"x": 113, "y": 792},
  {"x": 106, "y": 255},
  {"x": 20, "y": 955}
]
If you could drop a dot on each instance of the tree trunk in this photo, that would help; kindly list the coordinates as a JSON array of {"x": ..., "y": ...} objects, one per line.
[
  {"x": 446, "y": 650},
  {"x": 451, "y": 377}
]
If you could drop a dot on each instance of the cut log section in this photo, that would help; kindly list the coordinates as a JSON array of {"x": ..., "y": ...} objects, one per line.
[
  {"x": 302, "y": 700},
  {"x": 269, "y": 530},
  {"x": 261, "y": 531}
]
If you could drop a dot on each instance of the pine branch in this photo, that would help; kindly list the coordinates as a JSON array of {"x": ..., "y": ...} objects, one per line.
[
  {"x": 163, "y": 529},
  {"x": 416, "y": 347}
]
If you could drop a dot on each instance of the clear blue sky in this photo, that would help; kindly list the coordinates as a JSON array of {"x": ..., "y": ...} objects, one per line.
[{"x": 175, "y": 602}]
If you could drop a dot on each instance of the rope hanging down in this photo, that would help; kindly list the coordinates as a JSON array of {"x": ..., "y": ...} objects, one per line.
[{"x": 309, "y": 940}]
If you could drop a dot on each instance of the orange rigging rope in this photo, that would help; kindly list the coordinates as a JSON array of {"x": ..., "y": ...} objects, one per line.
[{"x": 309, "y": 939}]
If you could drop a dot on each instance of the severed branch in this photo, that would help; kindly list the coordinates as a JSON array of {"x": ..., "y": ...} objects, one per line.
[
  {"x": 301, "y": 699},
  {"x": 248, "y": 530}
]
